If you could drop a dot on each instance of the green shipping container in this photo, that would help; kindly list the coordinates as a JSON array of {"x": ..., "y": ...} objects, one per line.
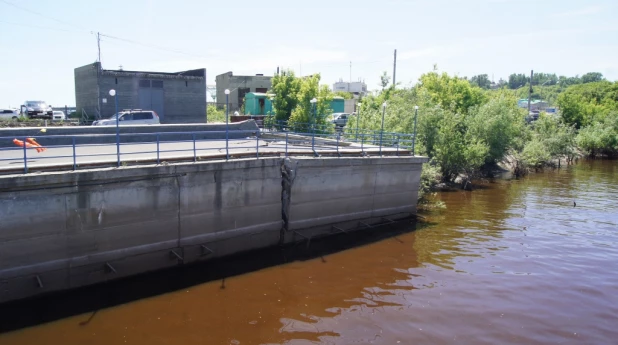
[
  {"x": 257, "y": 104},
  {"x": 338, "y": 105}
]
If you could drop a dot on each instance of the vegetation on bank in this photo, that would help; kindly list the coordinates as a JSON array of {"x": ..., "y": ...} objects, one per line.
[{"x": 466, "y": 130}]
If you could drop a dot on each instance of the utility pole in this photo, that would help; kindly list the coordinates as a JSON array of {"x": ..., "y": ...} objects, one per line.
[
  {"x": 99, "y": 45},
  {"x": 530, "y": 90},
  {"x": 395, "y": 69}
]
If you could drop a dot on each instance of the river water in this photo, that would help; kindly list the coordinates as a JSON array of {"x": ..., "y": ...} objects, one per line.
[{"x": 514, "y": 262}]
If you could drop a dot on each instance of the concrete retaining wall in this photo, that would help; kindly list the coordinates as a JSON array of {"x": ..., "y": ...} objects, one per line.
[
  {"x": 65, "y": 230},
  {"x": 92, "y": 134}
]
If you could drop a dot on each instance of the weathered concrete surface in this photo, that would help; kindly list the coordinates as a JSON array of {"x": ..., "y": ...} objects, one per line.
[
  {"x": 341, "y": 192},
  {"x": 128, "y": 134},
  {"x": 65, "y": 230},
  {"x": 65, "y": 227}
]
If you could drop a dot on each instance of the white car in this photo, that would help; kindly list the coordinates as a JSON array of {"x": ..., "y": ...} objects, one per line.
[
  {"x": 58, "y": 116},
  {"x": 9, "y": 114},
  {"x": 131, "y": 118}
]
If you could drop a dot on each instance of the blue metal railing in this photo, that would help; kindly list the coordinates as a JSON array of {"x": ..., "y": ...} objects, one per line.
[{"x": 74, "y": 151}]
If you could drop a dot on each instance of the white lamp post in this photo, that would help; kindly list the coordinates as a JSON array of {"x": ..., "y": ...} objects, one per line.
[
  {"x": 112, "y": 93},
  {"x": 227, "y": 125}
]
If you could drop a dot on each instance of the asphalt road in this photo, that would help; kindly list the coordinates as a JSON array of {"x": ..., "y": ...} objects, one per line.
[{"x": 131, "y": 153}]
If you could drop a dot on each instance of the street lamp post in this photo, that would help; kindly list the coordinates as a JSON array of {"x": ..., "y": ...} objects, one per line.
[
  {"x": 358, "y": 110},
  {"x": 112, "y": 93},
  {"x": 227, "y": 125},
  {"x": 272, "y": 112},
  {"x": 313, "y": 102},
  {"x": 414, "y": 142},
  {"x": 382, "y": 130}
]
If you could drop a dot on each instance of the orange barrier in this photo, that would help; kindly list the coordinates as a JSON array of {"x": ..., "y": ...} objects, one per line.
[
  {"x": 34, "y": 142},
  {"x": 37, "y": 147}
]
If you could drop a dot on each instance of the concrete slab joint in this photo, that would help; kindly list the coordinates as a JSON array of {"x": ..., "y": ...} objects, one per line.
[{"x": 288, "y": 175}]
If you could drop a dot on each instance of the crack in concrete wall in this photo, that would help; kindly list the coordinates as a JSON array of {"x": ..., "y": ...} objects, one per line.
[{"x": 288, "y": 175}]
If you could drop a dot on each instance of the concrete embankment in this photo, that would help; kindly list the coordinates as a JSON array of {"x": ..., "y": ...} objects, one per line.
[
  {"x": 129, "y": 134},
  {"x": 66, "y": 230}
]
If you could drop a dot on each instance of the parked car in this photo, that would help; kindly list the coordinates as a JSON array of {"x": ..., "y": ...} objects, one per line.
[
  {"x": 340, "y": 119},
  {"x": 131, "y": 118},
  {"x": 37, "y": 109},
  {"x": 9, "y": 114},
  {"x": 59, "y": 116}
]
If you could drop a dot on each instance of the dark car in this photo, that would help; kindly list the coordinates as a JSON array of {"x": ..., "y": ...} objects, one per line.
[{"x": 37, "y": 109}]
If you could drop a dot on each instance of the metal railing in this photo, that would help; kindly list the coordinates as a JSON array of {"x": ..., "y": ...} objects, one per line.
[{"x": 61, "y": 152}]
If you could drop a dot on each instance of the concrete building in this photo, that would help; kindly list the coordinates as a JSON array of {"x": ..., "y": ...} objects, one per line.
[
  {"x": 356, "y": 87},
  {"x": 176, "y": 97},
  {"x": 239, "y": 86}
]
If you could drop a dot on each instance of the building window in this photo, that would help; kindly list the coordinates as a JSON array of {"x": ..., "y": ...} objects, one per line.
[
  {"x": 116, "y": 79},
  {"x": 144, "y": 83},
  {"x": 186, "y": 83},
  {"x": 157, "y": 84}
]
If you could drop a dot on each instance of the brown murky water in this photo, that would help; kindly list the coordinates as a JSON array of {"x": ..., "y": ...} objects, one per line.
[{"x": 514, "y": 263}]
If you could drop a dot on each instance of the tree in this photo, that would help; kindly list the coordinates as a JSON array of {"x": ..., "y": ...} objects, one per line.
[
  {"x": 384, "y": 80},
  {"x": 517, "y": 80},
  {"x": 498, "y": 123},
  {"x": 285, "y": 86},
  {"x": 344, "y": 95},
  {"x": 581, "y": 105},
  {"x": 481, "y": 80},
  {"x": 451, "y": 92},
  {"x": 304, "y": 114},
  {"x": 592, "y": 77},
  {"x": 457, "y": 152}
]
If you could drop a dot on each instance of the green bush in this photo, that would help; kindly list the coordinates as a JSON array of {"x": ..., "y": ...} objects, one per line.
[
  {"x": 600, "y": 137},
  {"x": 215, "y": 115}
]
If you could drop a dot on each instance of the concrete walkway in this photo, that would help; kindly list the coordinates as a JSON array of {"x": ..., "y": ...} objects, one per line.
[{"x": 61, "y": 157}]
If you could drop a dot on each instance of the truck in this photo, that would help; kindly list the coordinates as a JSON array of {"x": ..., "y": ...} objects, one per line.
[{"x": 37, "y": 109}]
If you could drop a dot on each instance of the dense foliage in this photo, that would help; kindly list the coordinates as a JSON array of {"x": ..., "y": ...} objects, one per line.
[
  {"x": 213, "y": 114},
  {"x": 586, "y": 104},
  {"x": 465, "y": 129}
]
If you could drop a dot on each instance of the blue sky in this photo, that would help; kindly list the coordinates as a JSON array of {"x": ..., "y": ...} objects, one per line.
[{"x": 497, "y": 37}]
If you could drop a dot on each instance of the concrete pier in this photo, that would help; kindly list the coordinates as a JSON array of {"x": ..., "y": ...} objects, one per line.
[{"x": 63, "y": 230}]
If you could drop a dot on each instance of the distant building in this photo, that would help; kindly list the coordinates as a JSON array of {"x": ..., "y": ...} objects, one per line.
[
  {"x": 176, "y": 97},
  {"x": 239, "y": 86},
  {"x": 356, "y": 87}
]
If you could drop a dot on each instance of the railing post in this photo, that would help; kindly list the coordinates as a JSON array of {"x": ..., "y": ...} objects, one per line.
[
  {"x": 286, "y": 144},
  {"x": 362, "y": 144},
  {"x": 312, "y": 138},
  {"x": 257, "y": 146},
  {"x": 25, "y": 157},
  {"x": 158, "y": 159},
  {"x": 194, "y": 153},
  {"x": 74, "y": 155},
  {"x": 398, "y": 140},
  {"x": 338, "y": 134}
]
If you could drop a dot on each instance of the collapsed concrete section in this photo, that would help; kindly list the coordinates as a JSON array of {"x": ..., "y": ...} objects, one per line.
[{"x": 66, "y": 230}]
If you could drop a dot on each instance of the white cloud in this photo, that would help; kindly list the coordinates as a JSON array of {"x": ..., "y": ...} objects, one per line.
[{"x": 579, "y": 12}]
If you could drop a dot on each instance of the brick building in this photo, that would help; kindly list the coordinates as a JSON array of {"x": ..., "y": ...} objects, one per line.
[{"x": 177, "y": 97}]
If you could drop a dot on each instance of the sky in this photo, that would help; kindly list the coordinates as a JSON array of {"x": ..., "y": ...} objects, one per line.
[{"x": 43, "y": 41}]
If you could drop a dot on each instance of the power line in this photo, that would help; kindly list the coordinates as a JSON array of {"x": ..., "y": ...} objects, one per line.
[
  {"x": 40, "y": 14},
  {"x": 151, "y": 46},
  {"x": 40, "y": 27}
]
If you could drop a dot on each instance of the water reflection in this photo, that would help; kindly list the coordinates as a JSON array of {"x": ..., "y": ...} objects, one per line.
[{"x": 511, "y": 263}]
